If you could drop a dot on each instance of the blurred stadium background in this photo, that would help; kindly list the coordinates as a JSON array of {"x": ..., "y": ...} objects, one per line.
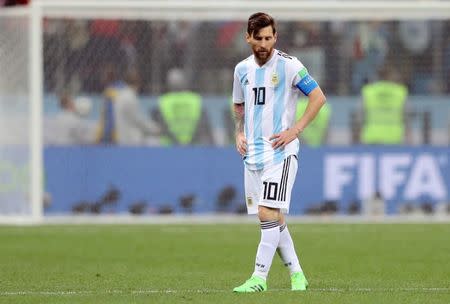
[
  {"x": 69, "y": 68},
  {"x": 54, "y": 161}
]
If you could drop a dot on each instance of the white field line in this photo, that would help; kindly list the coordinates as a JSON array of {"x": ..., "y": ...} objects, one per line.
[
  {"x": 218, "y": 219},
  {"x": 206, "y": 291}
]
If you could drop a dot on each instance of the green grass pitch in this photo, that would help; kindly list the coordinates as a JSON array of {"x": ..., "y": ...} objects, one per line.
[{"x": 344, "y": 263}]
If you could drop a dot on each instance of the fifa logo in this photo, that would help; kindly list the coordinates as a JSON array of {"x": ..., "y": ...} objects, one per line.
[{"x": 394, "y": 174}]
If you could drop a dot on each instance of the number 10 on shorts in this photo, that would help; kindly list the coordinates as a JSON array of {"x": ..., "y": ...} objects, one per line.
[{"x": 270, "y": 190}]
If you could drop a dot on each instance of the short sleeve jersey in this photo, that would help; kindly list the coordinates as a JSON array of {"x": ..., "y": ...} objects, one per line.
[{"x": 270, "y": 93}]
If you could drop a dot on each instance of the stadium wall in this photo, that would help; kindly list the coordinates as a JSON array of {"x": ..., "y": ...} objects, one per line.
[{"x": 199, "y": 180}]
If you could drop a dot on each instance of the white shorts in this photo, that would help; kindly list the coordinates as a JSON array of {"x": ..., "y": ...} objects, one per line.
[{"x": 270, "y": 187}]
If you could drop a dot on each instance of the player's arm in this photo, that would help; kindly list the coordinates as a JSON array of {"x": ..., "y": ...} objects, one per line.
[
  {"x": 305, "y": 83},
  {"x": 239, "y": 120},
  {"x": 239, "y": 114},
  {"x": 316, "y": 101}
]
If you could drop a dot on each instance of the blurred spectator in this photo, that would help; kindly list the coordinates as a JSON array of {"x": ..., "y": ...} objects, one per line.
[
  {"x": 229, "y": 48},
  {"x": 180, "y": 37},
  {"x": 316, "y": 132},
  {"x": 370, "y": 47},
  {"x": 229, "y": 45},
  {"x": 128, "y": 37},
  {"x": 120, "y": 121},
  {"x": 384, "y": 110},
  {"x": 343, "y": 55},
  {"x": 415, "y": 36},
  {"x": 228, "y": 33},
  {"x": 52, "y": 54},
  {"x": 181, "y": 114},
  {"x": 199, "y": 68},
  {"x": 77, "y": 37},
  {"x": 306, "y": 44},
  {"x": 69, "y": 127},
  {"x": 103, "y": 49},
  {"x": 446, "y": 73},
  {"x": 415, "y": 40}
]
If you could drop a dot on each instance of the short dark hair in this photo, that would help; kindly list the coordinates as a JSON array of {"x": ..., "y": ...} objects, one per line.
[{"x": 257, "y": 21}]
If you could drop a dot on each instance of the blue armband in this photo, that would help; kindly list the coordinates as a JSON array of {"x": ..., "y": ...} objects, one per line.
[{"x": 307, "y": 84}]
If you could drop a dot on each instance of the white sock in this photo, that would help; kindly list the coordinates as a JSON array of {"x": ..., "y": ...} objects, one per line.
[
  {"x": 270, "y": 237},
  {"x": 286, "y": 250}
]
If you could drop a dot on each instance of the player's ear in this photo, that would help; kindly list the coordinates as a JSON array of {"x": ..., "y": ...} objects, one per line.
[
  {"x": 275, "y": 36},
  {"x": 247, "y": 37}
]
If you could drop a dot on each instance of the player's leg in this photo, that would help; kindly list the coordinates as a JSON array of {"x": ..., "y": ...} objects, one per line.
[
  {"x": 270, "y": 232},
  {"x": 253, "y": 186},
  {"x": 273, "y": 196},
  {"x": 286, "y": 248},
  {"x": 270, "y": 237}
]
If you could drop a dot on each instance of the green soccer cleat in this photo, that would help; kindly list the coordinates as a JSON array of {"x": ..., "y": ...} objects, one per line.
[
  {"x": 254, "y": 284},
  {"x": 298, "y": 281}
]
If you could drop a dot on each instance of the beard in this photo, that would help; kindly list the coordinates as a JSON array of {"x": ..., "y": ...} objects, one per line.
[{"x": 263, "y": 54}]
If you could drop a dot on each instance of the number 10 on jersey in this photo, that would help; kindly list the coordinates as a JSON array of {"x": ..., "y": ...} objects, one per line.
[{"x": 260, "y": 95}]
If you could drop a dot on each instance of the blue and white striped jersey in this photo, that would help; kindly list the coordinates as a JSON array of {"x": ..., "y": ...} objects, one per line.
[{"x": 270, "y": 94}]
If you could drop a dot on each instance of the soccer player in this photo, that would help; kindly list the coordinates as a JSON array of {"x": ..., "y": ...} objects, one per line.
[{"x": 266, "y": 88}]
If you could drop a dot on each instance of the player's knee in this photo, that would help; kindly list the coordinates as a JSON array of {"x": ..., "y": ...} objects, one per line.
[{"x": 268, "y": 214}]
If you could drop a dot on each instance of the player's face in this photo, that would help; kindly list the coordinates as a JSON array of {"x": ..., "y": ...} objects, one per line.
[{"x": 262, "y": 43}]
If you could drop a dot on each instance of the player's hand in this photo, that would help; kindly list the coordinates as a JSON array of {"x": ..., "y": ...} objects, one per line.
[
  {"x": 241, "y": 143},
  {"x": 281, "y": 139}
]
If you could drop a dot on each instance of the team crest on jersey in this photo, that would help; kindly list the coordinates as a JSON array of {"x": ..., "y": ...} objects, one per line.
[
  {"x": 249, "y": 201},
  {"x": 275, "y": 79}
]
